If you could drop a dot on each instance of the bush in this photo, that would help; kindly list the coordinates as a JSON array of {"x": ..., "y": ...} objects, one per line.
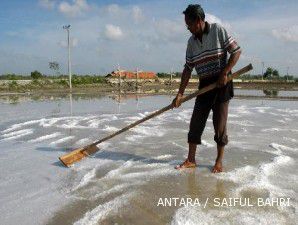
[
  {"x": 36, "y": 75},
  {"x": 163, "y": 75},
  {"x": 36, "y": 83},
  {"x": 12, "y": 76},
  {"x": 87, "y": 79},
  {"x": 62, "y": 82},
  {"x": 12, "y": 85}
]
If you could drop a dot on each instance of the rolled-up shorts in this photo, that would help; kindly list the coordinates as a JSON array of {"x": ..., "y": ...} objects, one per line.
[{"x": 199, "y": 117}]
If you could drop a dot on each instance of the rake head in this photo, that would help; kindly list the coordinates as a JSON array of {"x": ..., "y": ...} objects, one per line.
[{"x": 78, "y": 154}]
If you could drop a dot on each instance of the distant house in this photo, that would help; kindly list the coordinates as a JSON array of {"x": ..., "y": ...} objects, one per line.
[{"x": 131, "y": 75}]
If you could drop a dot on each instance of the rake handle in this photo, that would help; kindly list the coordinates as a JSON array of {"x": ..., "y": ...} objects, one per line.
[{"x": 187, "y": 98}]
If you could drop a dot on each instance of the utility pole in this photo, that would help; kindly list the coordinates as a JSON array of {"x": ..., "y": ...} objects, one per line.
[
  {"x": 119, "y": 78},
  {"x": 262, "y": 70},
  {"x": 288, "y": 73},
  {"x": 137, "y": 79},
  {"x": 119, "y": 86},
  {"x": 171, "y": 76},
  {"x": 67, "y": 28},
  {"x": 171, "y": 82}
]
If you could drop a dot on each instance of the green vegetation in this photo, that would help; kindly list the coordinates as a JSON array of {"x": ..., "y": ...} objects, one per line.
[
  {"x": 38, "y": 81},
  {"x": 163, "y": 75},
  {"x": 276, "y": 78},
  {"x": 12, "y": 76},
  {"x": 12, "y": 85},
  {"x": 270, "y": 74},
  {"x": 61, "y": 82},
  {"x": 36, "y": 75},
  {"x": 87, "y": 79},
  {"x": 78, "y": 80}
]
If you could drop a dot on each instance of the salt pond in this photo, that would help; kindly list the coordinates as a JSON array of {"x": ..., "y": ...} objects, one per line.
[{"x": 123, "y": 183}]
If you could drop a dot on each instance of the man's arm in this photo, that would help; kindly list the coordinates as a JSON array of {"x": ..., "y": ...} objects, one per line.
[
  {"x": 184, "y": 82},
  {"x": 231, "y": 63}
]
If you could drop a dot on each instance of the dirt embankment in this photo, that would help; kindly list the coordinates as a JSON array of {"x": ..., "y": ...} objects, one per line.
[{"x": 129, "y": 87}]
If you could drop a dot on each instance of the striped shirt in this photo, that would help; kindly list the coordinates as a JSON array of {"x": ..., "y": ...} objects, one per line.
[{"x": 209, "y": 57}]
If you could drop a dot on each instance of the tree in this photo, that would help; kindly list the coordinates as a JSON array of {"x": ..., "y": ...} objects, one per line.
[
  {"x": 268, "y": 72},
  {"x": 36, "y": 75},
  {"x": 275, "y": 73},
  {"x": 54, "y": 66},
  {"x": 271, "y": 73}
]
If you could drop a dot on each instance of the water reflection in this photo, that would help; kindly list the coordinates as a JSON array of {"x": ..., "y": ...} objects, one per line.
[
  {"x": 13, "y": 99},
  {"x": 70, "y": 103},
  {"x": 71, "y": 112},
  {"x": 120, "y": 98},
  {"x": 270, "y": 92}
]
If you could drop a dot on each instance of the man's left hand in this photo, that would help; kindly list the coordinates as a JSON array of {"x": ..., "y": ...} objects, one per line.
[{"x": 223, "y": 79}]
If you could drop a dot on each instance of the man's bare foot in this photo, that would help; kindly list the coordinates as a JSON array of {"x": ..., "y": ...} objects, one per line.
[
  {"x": 186, "y": 164},
  {"x": 217, "y": 167}
]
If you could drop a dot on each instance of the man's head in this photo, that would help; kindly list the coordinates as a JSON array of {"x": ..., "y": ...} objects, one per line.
[{"x": 194, "y": 18}]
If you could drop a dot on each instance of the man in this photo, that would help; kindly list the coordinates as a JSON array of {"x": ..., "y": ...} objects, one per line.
[{"x": 207, "y": 52}]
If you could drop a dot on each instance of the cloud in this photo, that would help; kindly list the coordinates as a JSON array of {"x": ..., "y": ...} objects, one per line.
[
  {"x": 72, "y": 10},
  {"x": 250, "y": 58},
  {"x": 47, "y": 4},
  {"x": 154, "y": 35},
  {"x": 213, "y": 19},
  {"x": 113, "y": 8},
  {"x": 289, "y": 34},
  {"x": 174, "y": 30},
  {"x": 137, "y": 14},
  {"x": 169, "y": 30},
  {"x": 113, "y": 32}
]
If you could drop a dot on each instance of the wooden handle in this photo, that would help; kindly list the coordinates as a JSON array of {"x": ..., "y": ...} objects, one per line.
[
  {"x": 78, "y": 154},
  {"x": 187, "y": 98}
]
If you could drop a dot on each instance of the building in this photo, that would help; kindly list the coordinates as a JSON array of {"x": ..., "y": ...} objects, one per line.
[{"x": 132, "y": 75}]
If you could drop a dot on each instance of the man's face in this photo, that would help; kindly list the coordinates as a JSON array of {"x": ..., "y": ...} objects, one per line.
[{"x": 192, "y": 26}]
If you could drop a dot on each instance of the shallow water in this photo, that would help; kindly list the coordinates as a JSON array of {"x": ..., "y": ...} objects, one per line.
[
  {"x": 266, "y": 92},
  {"x": 123, "y": 183}
]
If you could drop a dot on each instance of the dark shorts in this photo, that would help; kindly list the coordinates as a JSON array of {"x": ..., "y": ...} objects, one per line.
[{"x": 218, "y": 101}]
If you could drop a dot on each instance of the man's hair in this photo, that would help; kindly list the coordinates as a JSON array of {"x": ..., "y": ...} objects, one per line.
[{"x": 194, "y": 12}]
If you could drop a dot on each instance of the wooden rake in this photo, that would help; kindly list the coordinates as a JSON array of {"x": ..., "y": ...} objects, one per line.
[{"x": 80, "y": 153}]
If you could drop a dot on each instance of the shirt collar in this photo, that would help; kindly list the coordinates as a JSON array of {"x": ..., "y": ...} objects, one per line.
[{"x": 206, "y": 29}]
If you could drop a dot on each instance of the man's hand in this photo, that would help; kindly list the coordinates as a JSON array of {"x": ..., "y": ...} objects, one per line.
[
  {"x": 177, "y": 101},
  {"x": 223, "y": 79}
]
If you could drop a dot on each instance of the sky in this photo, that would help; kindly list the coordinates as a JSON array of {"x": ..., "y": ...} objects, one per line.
[{"x": 136, "y": 34}]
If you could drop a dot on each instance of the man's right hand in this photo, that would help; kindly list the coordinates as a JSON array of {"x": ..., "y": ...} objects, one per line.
[{"x": 177, "y": 101}]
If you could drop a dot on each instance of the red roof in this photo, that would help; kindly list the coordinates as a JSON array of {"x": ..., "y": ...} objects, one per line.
[{"x": 132, "y": 75}]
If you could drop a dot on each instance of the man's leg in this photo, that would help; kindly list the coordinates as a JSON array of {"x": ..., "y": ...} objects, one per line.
[
  {"x": 220, "y": 116},
  {"x": 197, "y": 124},
  {"x": 190, "y": 162},
  {"x": 192, "y": 152},
  {"x": 218, "y": 162}
]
